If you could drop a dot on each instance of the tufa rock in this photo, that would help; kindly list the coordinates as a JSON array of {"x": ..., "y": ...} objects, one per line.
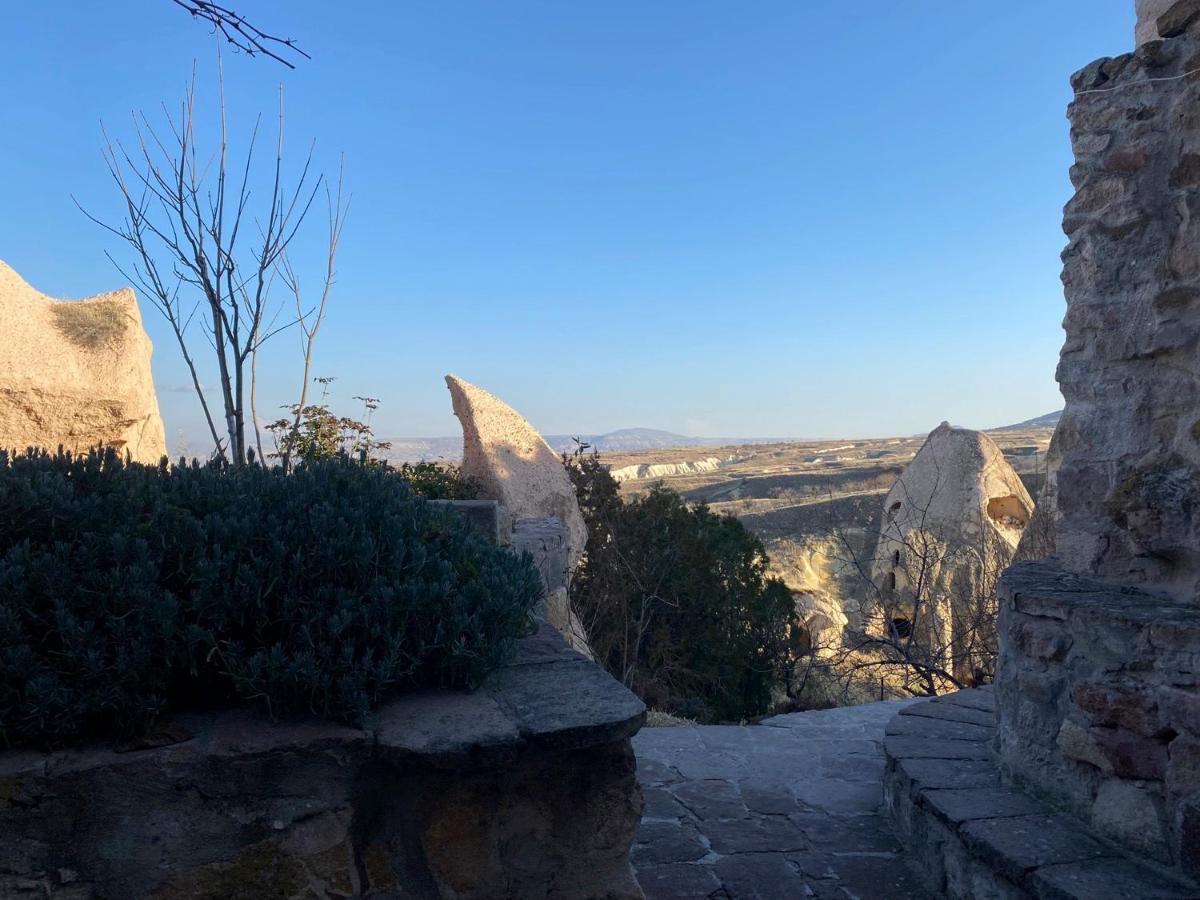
[
  {"x": 950, "y": 525},
  {"x": 76, "y": 374},
  {"x": 1039, "y": 541},
  {"x": 514, "y": 464}
]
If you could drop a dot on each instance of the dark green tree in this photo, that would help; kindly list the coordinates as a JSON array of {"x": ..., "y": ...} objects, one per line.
[{"x": 677, "y": 602}]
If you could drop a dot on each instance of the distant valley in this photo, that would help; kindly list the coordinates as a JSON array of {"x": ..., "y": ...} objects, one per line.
[{"x": 632, "y": 440}]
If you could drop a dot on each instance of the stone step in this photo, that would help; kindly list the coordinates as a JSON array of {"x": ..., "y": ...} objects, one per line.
[{"x": 970, "y": 835}]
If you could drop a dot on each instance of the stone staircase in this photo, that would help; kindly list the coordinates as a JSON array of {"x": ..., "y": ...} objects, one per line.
[{"x": 969, "y": 835}]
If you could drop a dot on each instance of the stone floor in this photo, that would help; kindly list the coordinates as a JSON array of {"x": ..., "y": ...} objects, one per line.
[{"x": 789, "y": 809}]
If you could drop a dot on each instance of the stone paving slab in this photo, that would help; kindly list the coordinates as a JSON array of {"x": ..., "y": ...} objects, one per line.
[{"x": 789, "y": 808}]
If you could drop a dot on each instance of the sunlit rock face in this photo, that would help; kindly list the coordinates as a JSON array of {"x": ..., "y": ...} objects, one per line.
[
  {"x": 950, "y": 526},
  {"x": 75, "y": 373},
  {"x": 515, "y": 466}
]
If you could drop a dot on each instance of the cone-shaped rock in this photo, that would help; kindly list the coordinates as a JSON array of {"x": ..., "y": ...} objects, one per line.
[
  {"x": 513, "y": 463},
  {"x": 75, "y": 373},
  {"x": 950, "y": 525}
]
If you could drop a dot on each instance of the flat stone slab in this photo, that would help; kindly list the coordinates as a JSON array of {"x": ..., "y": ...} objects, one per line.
[
  {"x": 1107, "y": 879},
  {"x": 956, "y": 806},
  {"x": 967, "y": 834},
  {"x": 789, "y": 808},
  {"x": 1015, "y": 846}
]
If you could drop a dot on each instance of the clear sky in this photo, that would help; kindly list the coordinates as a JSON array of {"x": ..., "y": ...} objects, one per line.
[{"x": 775, "y": 218}]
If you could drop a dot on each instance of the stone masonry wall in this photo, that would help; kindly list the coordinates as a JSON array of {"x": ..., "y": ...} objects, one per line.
[
  {"x": 1098, "y": 686},
  {"x": 1129, "y": 483},
  {"x": 1099, "y": 707}
]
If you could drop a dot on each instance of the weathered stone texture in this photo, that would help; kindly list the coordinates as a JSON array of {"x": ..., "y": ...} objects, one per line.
[
  {"x": 950, "y": 525},
  {"x": 1128, "y": 485},
  {"x": 526, "y": 788},
  {"x": 516, "y": 468},
  {"x": 1148, "y": 12},
  {"x": 75, "y": 373},
  {"x": 514, "y": 464},
  {"x": 971, "y": 836},
  {"x": 1108, "y": 726}
]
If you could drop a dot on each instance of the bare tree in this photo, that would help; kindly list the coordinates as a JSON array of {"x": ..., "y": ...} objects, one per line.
[
  {"x": 928, "y": 623},
  {"x": 241, "y": 33},
  {"x": 310, "y": 321},
  {"x": 204, "y": 258}
]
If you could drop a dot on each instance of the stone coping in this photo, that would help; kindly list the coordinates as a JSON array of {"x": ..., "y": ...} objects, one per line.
[
  {"x": 971, "y": 835},
  {"x": 1043, "y": 588},
  {"x": 548, "y": 697}
]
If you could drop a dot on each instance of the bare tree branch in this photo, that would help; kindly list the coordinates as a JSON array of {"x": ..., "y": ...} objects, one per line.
[{"x": 240, "y": 33}]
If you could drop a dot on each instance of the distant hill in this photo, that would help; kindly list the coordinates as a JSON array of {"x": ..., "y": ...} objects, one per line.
[
  {"x": 622, "y": 440},
  {"x": 626, "y": 439},
  {"x": 1049, "y": 420}
]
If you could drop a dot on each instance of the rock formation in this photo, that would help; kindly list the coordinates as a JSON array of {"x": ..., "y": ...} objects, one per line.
[
  {"x": 75, "y": 374},
  {"x": 1148, "y": 13},
  {"x": 516, "y": 467},
  {"x": 1100, "y": 647},
  {"x": 950, "y": 525},
  {"x": 645, "y": 471},
  {"x": 1039, "y": 540}
]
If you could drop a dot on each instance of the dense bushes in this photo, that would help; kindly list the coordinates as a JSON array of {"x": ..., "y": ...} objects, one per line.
[
  {"x": 128, "y": 590},
  {"x": 676, "y": 600}
]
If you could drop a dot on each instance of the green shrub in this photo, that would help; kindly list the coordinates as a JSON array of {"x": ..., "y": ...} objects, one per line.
[
  {"x": 677, "y": 602},
  {"x": 128, "y": 590}
]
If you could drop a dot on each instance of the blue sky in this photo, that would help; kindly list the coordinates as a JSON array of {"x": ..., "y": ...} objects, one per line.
[{"x": 735, "y": 219}]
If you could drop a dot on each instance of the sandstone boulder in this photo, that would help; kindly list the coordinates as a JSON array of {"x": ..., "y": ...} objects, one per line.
[
  {"x": 514, "y": 464},
  {"x": 950, "y": 525},
  {"x": 75, "y": 374},
  {"x": 516, "y": 467}
]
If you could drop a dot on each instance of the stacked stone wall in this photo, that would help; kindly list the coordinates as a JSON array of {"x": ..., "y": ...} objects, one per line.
[
  {"x": 1129, "y": 439},
  {"x": 1099, "y": 676}
]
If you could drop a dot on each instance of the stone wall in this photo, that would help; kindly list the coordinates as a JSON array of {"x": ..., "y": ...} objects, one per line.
[
  {"x": 1148, "y": 12},
  {"x": 1129, "y": 438},
  {"x": 523, "y": 789},
  {"x": 1099, "y": 678},
  {"x": 1099, "y": 708}
]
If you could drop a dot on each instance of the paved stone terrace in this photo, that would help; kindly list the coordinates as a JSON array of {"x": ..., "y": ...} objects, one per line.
[{"x": 790, "y": 808}]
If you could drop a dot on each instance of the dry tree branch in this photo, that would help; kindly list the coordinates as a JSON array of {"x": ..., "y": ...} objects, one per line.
[{"x": 240, "y": 33}]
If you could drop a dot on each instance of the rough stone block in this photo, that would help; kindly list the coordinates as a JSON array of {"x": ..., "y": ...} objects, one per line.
[
  {"x": 938, "y": 730},
  {"x": 1107, "y": 879},
  {"x": 434, "y": 796},
  {"x": 951, "y": 712},
  {"x": 1131, "y": 815},
  {"x": 964, "y": 804},
  {"x": 1017, "y": 845},
  {"x": 483, "y": 514}
]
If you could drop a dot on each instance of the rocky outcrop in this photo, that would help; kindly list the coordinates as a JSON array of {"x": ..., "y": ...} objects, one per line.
[
  {"x": 515, "y": 466},
  {"x": 950, "y": 525},
  {"x": 513, "y": 463},
  {"x": 1040, "y": 538},
  {"x": 524, "y": 789},
  {"x": 1128, "y": 484},
  {"x": 645, "y": 471},
  {"x": 75, "y": 373}
]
